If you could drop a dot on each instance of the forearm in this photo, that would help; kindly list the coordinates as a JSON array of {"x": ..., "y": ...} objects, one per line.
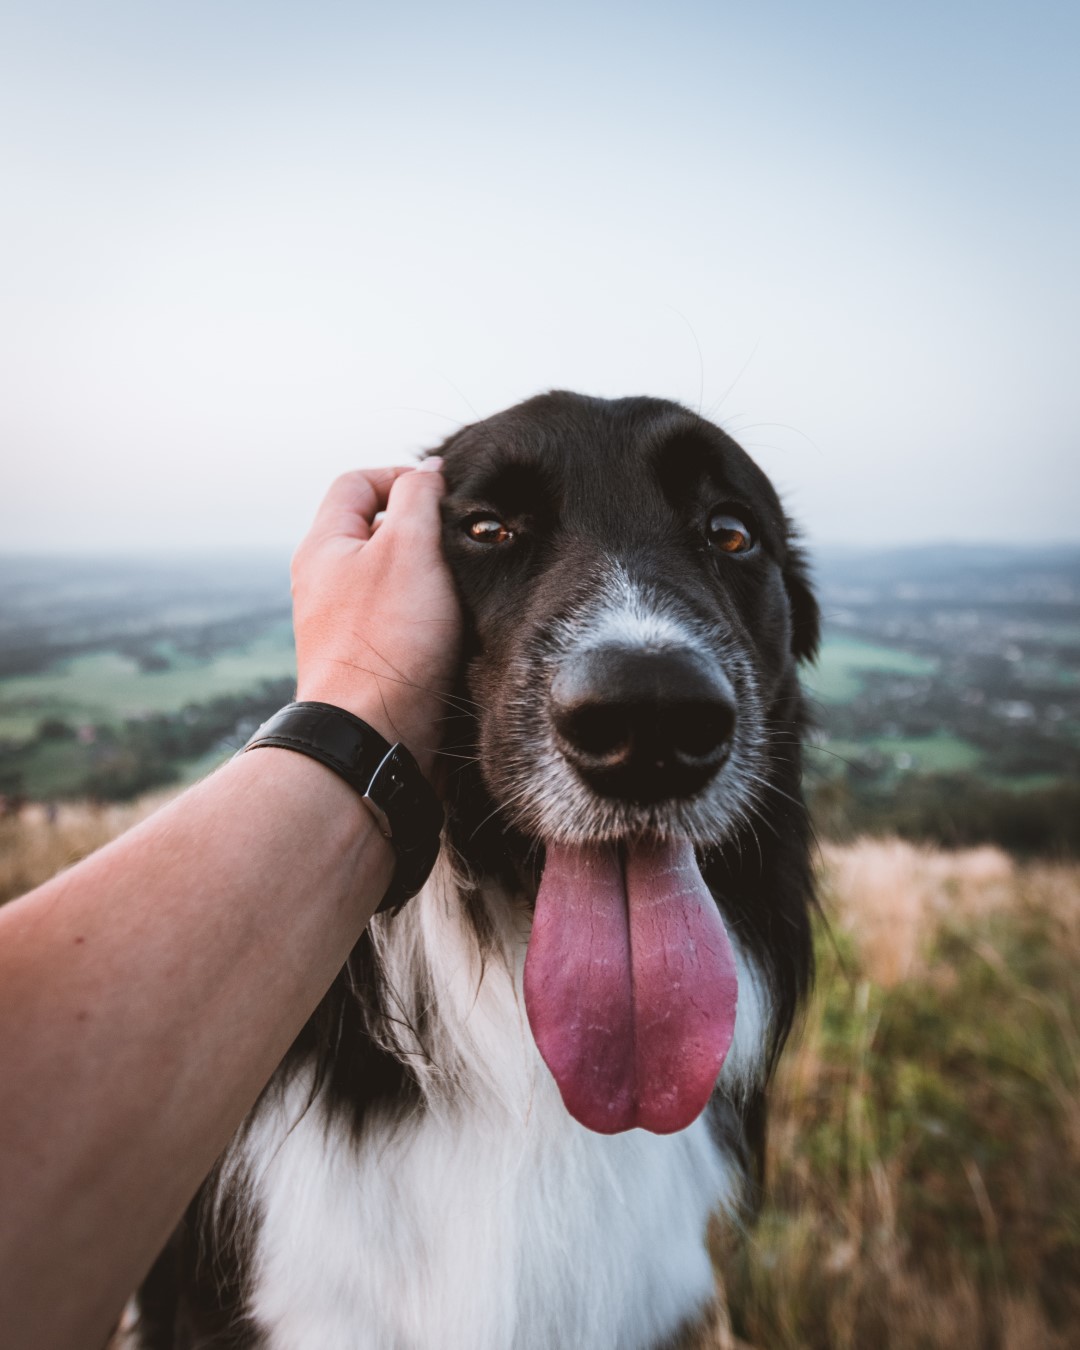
[{"x": 124, "y": 1079}]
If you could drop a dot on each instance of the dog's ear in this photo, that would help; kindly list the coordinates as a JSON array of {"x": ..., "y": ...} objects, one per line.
[{"x": 805, "y": 614}]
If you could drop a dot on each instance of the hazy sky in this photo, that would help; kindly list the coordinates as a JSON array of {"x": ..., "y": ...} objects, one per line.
[{"x": 248, "y": 245}]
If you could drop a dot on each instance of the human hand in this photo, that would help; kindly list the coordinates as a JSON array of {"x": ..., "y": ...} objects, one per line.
[{"x": 374, "y": 609}]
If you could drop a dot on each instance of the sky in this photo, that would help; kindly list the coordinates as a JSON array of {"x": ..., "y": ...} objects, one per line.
[{"x": 245, "y": 246}]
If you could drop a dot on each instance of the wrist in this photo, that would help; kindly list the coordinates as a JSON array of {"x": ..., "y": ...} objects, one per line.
[{"x": 307, "y": 791}]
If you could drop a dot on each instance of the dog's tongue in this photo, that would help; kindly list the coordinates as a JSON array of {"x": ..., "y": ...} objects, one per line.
[{"x": 630, "y": 984}]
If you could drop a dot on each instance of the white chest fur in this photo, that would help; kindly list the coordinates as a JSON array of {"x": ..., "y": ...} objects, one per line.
[{"x": 491, "y": 1220}]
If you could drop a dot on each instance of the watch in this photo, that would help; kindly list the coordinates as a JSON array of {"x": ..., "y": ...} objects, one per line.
[{"x": 388, "y": 779}]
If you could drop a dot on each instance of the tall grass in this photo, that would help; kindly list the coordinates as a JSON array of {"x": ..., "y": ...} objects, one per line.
[
  {"x": 924, "y": 1156},
  {"x": 41, "y": 840}
]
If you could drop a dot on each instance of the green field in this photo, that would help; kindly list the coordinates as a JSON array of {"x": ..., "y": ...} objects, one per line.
[
  {"x": 836, "y": 676},
  {"x": 932, "y": 754},
  {"x": 917, "y": 754},
  {"x": 107, "y": 686}
]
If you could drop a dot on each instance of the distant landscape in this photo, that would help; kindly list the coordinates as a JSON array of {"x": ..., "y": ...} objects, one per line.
[
  {"x": 946, "y": 695},
  {"x": 122, "y": 675}
]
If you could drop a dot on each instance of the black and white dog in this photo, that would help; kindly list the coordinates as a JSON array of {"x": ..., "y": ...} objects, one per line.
[{"x": 514, "y": 1113}]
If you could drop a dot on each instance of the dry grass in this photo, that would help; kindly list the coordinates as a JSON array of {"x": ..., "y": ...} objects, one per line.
[
  {"x": 40, "y": 841},
  {"x": 924, "y": 1157}
]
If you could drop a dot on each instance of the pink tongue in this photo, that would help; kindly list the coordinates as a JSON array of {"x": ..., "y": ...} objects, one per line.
[{"x": 630, "y": 985}]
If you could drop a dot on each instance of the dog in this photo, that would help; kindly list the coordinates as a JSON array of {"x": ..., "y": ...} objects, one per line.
[{"x": 513, "y": 1115}]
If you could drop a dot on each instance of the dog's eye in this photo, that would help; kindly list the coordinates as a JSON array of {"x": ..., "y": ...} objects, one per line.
[
  {"x": 489, "y": 531},
  {"x": 729, "y": 534}
]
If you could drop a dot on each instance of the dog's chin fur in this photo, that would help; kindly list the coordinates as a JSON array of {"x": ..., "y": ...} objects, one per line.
[{"x": 410, "y": 1177}]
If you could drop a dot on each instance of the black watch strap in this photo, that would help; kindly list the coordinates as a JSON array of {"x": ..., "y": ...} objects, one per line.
[{"x": 386, "y": 776}]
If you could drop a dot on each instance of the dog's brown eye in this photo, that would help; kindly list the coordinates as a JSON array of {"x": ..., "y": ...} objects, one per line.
[
  {"x": 729, "y": 534},
  {"x": 490, "y": 531}
]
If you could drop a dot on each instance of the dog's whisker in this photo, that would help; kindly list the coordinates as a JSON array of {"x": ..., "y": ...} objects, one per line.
[
  {"x": 768, "y": 784},
  {"x": 715, "y": 407}
]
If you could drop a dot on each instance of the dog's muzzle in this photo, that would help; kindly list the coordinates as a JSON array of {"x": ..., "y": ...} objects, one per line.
[{"x": 643, "y": 725}]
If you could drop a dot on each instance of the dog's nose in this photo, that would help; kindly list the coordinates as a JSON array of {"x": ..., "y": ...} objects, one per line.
[{"x": 645, "y": 726}]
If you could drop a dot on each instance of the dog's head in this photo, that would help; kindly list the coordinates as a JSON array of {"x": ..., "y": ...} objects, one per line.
[{"x": 636, "y": 607}]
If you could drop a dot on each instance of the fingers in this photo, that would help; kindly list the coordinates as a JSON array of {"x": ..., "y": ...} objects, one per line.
[
  {"x": 354, "y": 499},
  {"x": 413, "y": 503}
]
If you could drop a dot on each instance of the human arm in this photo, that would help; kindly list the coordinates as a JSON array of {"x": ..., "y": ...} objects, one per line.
[{"x": 147, "y": 994}]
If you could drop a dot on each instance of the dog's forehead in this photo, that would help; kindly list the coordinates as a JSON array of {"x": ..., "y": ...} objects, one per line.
[{"x": 574, "y": 445}]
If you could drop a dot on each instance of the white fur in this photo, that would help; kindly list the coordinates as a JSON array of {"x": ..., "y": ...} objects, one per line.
[
  {"x": 630, "y": 616},
  {"x": 491, "y": 1220}
]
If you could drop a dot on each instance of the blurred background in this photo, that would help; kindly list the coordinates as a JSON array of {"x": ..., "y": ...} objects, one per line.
[{"x": 247, "y": 246}]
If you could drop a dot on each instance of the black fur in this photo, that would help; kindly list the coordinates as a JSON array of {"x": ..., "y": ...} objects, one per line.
[
  {"x": 194, "y": 1295},
  {"x": 580, "y": 480}
]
